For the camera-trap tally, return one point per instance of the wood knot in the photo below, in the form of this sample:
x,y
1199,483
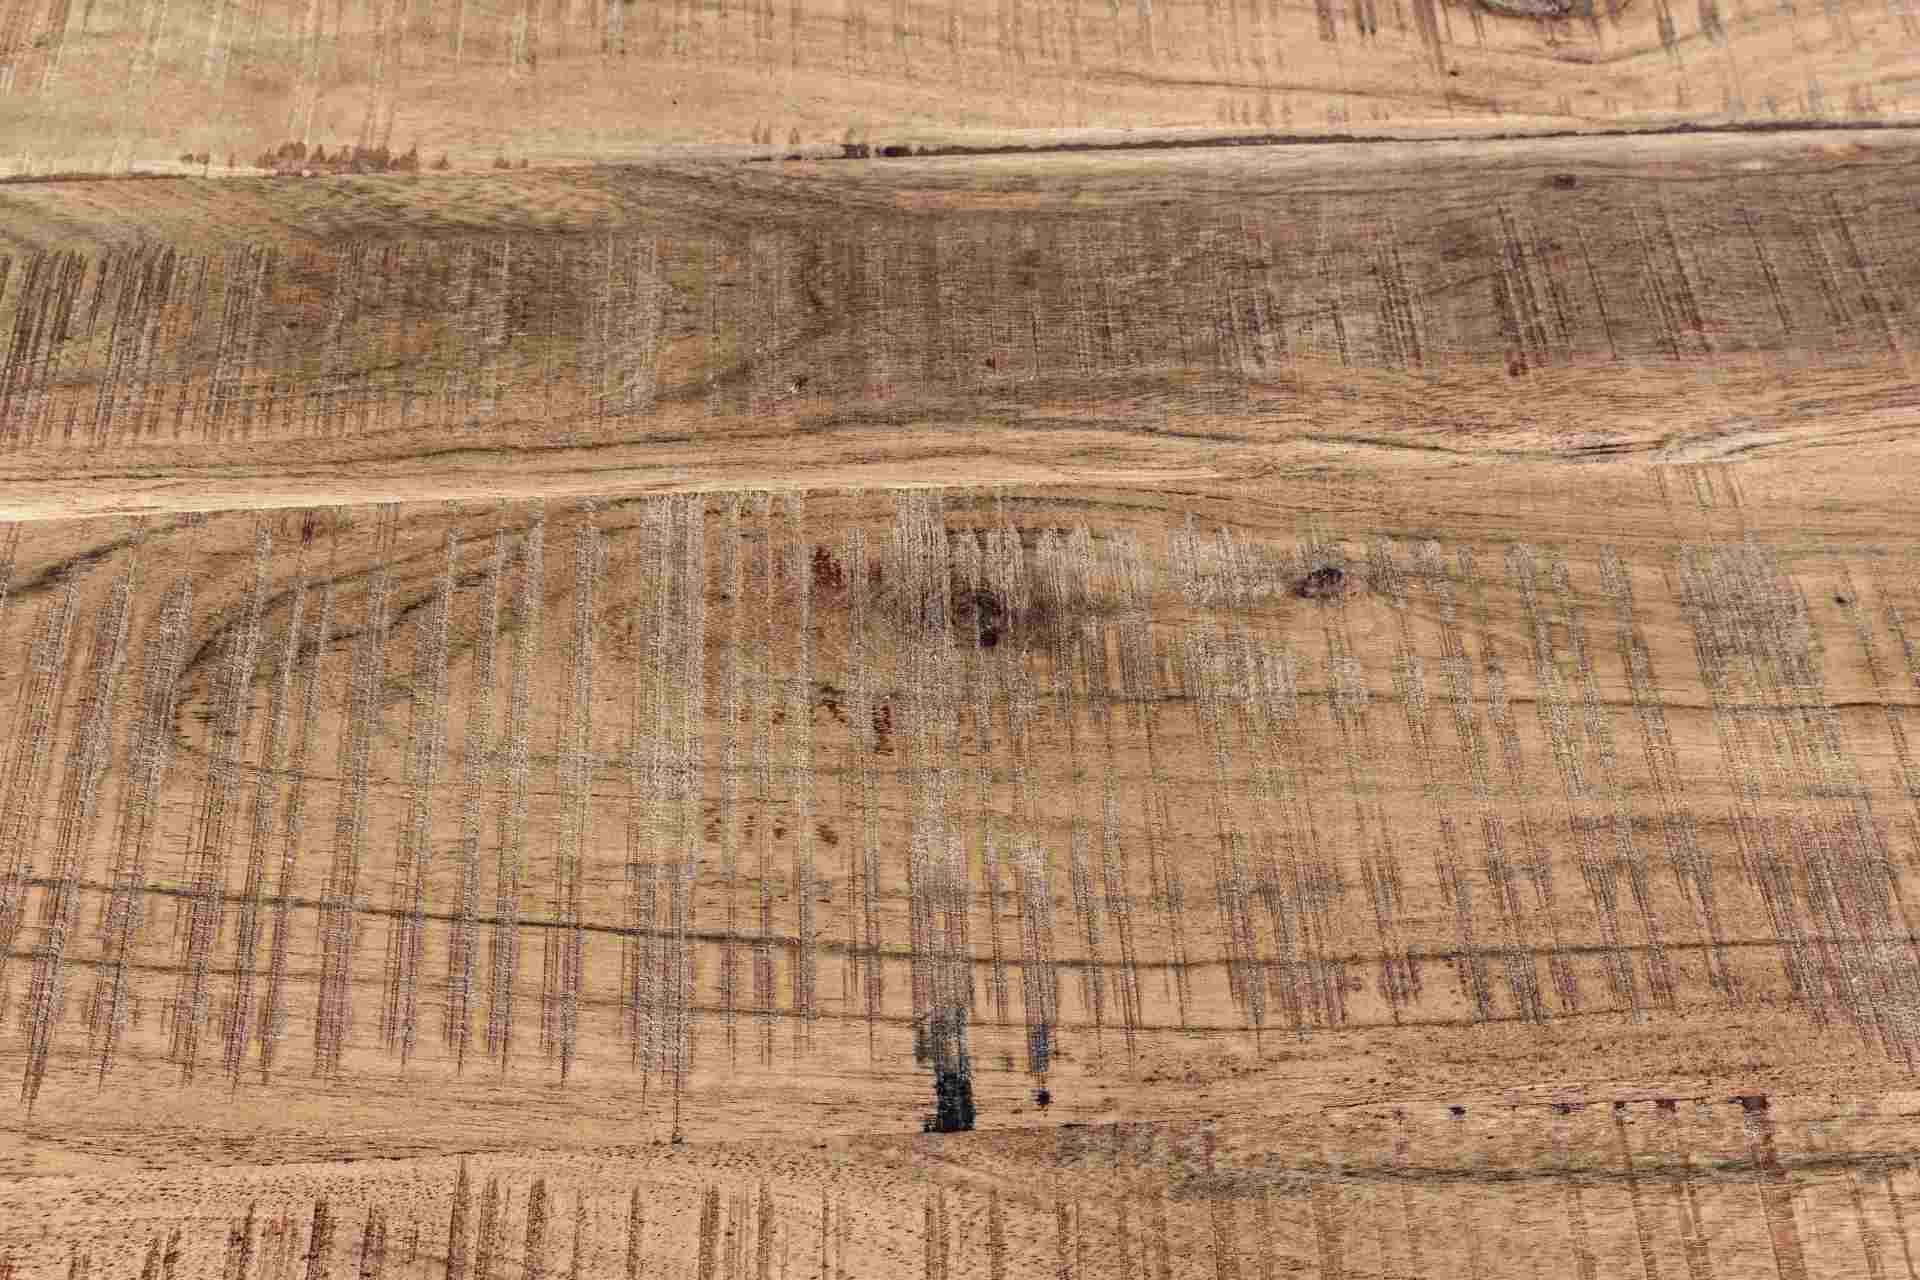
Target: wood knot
x,y
1323,583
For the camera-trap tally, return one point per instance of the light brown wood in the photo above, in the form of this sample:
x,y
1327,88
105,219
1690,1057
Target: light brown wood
x,y
548,713
1383,1008
114,85
1216,314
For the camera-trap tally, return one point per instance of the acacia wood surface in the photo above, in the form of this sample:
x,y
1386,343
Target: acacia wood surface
x,y
1220,314
1585,796
1374,672
117,86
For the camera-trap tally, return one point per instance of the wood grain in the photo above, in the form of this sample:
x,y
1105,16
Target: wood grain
x,y
114,86
1323,667
1679,301
1623,786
